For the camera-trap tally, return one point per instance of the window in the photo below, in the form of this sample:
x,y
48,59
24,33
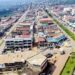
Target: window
x,y
16,41
7,44
7,41
29,40
25,41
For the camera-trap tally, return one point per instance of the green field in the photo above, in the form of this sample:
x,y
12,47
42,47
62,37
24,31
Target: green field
x,y
69,66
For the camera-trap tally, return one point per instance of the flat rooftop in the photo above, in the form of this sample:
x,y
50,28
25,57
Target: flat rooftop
x,y
17,57
10,73
25,23
38,59
19,38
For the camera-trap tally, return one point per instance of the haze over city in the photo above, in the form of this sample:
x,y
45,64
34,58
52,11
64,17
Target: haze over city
x,y
37,37
10,3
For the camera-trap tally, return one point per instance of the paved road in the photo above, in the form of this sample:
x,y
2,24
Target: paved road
x,y
61,62
73,42
66,24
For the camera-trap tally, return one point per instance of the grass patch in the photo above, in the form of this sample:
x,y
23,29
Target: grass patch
x,y
69,66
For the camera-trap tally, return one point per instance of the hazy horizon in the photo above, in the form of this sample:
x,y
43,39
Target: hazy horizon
x,y
9,3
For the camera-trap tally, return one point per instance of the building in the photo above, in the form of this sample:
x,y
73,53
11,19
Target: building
x,y
72,26
41,42
6,24
22,37
38,63
28,61
45,20
49,35
19,42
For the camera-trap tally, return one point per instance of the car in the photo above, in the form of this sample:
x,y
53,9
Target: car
x,y
49,55
63,52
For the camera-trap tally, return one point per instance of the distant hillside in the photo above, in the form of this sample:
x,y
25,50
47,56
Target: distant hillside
x,y
62,1
56,1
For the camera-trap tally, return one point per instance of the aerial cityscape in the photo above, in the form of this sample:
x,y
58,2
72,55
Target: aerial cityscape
x,y
37,37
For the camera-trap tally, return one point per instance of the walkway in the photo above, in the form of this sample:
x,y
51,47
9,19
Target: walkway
x,y
60,63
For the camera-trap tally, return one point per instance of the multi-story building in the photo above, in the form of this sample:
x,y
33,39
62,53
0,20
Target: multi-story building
x,y
19,42
28,62
6,24
49,35
22,37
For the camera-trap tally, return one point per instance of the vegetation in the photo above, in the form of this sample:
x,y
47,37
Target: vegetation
x,y
69,66
71,34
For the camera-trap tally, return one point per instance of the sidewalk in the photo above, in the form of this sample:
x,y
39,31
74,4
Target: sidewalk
x,y
60,64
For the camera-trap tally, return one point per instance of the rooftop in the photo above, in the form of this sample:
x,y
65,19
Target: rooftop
x,y
45,20
31,56
19,38
37,60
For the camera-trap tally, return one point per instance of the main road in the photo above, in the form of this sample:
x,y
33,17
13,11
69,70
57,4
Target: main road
x,y
61,62
53,17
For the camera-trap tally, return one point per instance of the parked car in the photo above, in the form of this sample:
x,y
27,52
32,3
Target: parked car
x,y
63,52
49,55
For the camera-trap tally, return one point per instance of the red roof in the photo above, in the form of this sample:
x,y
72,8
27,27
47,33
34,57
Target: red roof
x,y
45,20
27,28
40,39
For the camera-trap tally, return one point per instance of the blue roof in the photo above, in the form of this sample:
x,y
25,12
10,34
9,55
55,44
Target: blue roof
x,y
61,37
50,39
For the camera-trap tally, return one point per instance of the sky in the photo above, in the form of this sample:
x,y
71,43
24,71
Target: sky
x,y
2,2
11,2
8,3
